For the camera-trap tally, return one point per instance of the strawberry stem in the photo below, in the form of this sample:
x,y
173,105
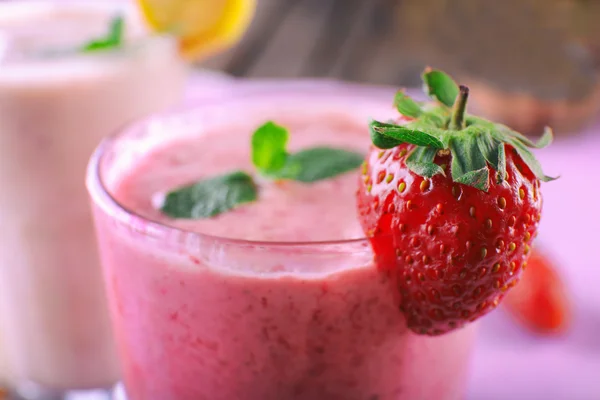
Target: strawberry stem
x,y
460,106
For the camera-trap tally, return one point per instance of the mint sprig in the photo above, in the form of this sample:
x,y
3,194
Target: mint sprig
x,y
269,148
473,142
319,163
114,38
272,161
211,196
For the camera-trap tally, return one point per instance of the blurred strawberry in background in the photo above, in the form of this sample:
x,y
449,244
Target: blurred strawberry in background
x,y
540,302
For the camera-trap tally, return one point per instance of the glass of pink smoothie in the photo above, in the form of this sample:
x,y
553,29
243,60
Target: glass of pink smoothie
x,y
278,299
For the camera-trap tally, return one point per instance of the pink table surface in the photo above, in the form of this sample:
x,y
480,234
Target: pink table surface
x,y
510,363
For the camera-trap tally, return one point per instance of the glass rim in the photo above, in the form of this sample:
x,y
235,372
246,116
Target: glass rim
x,y
259,89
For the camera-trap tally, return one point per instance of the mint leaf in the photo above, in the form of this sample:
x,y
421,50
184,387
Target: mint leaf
x,y
407,106
269,144
113,39
271,159
440,86
319,163
403,134
210,197
216,195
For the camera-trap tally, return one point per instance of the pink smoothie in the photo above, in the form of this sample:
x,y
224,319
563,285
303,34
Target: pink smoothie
x,y
200,317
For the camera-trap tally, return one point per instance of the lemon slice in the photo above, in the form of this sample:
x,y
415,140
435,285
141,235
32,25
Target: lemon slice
x,y
204,27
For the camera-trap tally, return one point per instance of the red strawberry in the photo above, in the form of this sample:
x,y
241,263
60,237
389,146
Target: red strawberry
x,y
450,204
540,301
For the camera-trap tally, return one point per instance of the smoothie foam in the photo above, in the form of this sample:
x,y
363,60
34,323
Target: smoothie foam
x,y
199,317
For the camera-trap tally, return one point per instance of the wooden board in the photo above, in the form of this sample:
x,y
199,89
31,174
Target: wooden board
x,y
529,45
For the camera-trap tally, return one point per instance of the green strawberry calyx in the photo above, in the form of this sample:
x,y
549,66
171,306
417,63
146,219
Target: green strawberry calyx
x,y
443,125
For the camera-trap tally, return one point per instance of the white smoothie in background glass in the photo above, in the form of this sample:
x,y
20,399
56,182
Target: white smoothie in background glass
x,y
56,104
